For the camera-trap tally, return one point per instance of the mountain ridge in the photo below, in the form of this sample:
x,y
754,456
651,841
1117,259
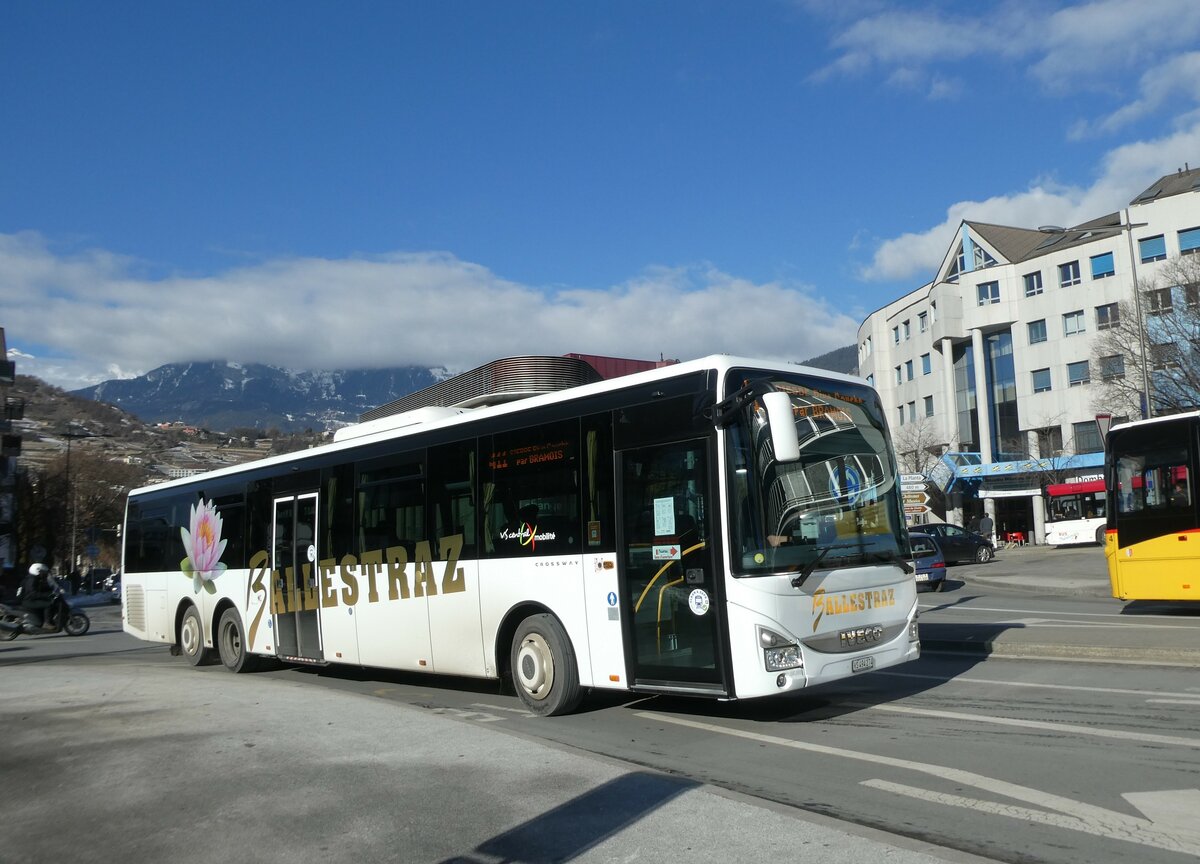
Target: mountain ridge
x,y
224,395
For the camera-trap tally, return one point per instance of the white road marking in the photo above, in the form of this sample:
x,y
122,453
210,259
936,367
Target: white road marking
x,y
1110,822
520,711
1153,834
1192,702
1126,620
968,680
1174,809
1119,734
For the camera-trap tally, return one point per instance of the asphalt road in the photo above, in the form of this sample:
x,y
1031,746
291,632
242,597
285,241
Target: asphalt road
x,y
116,751
1008,741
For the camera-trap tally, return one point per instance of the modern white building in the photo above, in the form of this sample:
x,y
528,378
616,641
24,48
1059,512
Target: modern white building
x,y
987,372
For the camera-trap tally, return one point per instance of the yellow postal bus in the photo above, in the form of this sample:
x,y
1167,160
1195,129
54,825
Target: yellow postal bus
x,y
1152,540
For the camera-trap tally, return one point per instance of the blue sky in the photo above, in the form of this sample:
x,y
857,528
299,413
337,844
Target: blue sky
x,y
336,185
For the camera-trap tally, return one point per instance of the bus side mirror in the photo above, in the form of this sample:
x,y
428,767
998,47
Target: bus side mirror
x,y
784,440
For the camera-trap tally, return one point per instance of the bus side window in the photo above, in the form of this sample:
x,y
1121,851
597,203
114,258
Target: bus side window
x,y
452,494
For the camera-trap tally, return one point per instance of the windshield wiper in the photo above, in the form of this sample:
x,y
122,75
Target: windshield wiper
x,y
808,568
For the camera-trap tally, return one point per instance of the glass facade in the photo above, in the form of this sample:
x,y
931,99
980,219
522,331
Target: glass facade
x,y
964,397
1007,440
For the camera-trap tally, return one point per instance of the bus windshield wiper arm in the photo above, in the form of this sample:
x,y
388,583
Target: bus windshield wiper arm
x,y
799,578
895,559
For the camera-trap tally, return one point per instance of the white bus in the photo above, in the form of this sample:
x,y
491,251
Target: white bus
x,y
721,527
1075,512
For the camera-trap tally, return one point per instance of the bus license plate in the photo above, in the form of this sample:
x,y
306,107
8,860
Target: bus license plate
x,y
862,664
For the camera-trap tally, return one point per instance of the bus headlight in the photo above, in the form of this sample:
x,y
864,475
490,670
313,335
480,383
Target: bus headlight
x,y
778,652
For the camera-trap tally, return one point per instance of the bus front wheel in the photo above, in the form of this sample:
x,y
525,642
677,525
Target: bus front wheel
x,y
543,665
1100,535
191,638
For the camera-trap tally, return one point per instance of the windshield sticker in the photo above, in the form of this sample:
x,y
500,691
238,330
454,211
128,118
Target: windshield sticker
x,y
669,552
698,601
664,516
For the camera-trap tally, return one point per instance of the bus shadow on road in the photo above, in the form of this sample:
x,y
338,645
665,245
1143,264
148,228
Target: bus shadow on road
x,y
1177,608
569,830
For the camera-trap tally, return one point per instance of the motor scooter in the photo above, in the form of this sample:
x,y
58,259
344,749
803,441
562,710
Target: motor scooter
x,y
14,620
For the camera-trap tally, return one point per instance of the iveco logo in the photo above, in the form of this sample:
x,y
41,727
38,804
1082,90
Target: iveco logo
x,y
860,636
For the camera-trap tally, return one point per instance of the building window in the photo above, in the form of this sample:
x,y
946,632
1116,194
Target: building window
x,y
1191,295
933,311
923,321
899,376
1073,323
1037,331
896,334
1102,266
907,332
900,413
868,346
1152,249
1112,367
912,412
1108,316
1159,300
1163,357
1189,241
1087,437
1033,283
1078,374
908,369
1068,274
1041,380
928,406
989,292
926,364
1050,442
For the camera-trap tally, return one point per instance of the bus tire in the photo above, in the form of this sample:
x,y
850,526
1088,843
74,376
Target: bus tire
x,y
1100,535
191,638
544,671
231,643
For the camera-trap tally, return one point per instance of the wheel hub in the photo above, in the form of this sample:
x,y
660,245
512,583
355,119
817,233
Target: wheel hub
x,y
535,666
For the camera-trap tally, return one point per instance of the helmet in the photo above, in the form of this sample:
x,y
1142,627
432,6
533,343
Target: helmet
x,y
38,570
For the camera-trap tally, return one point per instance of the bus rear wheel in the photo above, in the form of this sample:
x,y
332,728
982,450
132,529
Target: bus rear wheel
x,y
543,666
191,638
231,643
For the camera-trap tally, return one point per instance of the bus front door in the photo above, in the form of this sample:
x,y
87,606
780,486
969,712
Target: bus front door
x,y
297,628
673,615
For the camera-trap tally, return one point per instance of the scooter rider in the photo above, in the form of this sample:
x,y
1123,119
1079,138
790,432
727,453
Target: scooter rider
x,y
37,594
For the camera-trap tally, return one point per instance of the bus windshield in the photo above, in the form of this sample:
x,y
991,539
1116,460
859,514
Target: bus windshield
x,y
837,505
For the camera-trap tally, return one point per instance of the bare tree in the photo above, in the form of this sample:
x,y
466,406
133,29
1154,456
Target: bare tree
x,y
1161,347
919,446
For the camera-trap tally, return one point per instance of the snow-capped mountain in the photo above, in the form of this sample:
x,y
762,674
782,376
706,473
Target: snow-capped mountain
x,y
223,396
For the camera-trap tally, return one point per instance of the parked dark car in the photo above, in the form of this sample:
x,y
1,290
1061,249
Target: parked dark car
x,y
958,544
928,561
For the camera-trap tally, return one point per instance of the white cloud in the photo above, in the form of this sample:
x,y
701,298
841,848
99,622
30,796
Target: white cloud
x,y
1095,46
80,318
1125,171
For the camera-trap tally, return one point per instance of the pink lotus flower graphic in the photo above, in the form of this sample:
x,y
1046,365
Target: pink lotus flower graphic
x,y
204,546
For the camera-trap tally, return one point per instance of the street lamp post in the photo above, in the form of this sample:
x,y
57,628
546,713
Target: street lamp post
x,y
1125,227
70,436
